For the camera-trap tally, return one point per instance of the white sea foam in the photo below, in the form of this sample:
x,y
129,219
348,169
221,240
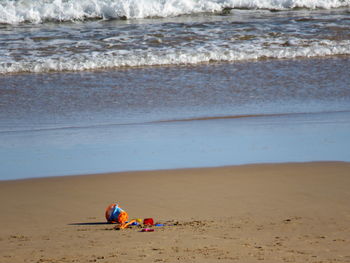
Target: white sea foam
x,y
38,11
113,59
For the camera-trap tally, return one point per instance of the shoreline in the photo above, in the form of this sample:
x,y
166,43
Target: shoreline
x,y
172,170
291,212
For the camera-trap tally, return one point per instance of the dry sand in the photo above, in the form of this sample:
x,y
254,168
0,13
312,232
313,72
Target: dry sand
x,y
253,213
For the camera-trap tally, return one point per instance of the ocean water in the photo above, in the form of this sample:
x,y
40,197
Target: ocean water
x,y
107,85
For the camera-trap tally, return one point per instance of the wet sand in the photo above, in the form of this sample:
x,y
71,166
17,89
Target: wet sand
x,y
254,213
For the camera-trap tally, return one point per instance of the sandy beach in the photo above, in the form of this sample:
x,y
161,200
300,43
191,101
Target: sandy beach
x,y
226,121
254,213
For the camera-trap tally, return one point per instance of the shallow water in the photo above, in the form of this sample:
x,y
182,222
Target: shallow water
x,y
116,85
58,100
202,143
175,117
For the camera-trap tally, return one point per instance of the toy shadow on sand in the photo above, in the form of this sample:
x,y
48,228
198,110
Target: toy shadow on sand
x,y
89,223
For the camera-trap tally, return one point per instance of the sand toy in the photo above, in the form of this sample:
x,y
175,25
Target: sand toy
x,y
115,214
148,222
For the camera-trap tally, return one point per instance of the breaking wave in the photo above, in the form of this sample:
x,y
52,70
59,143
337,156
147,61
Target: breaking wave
x,y
39,11
95,61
